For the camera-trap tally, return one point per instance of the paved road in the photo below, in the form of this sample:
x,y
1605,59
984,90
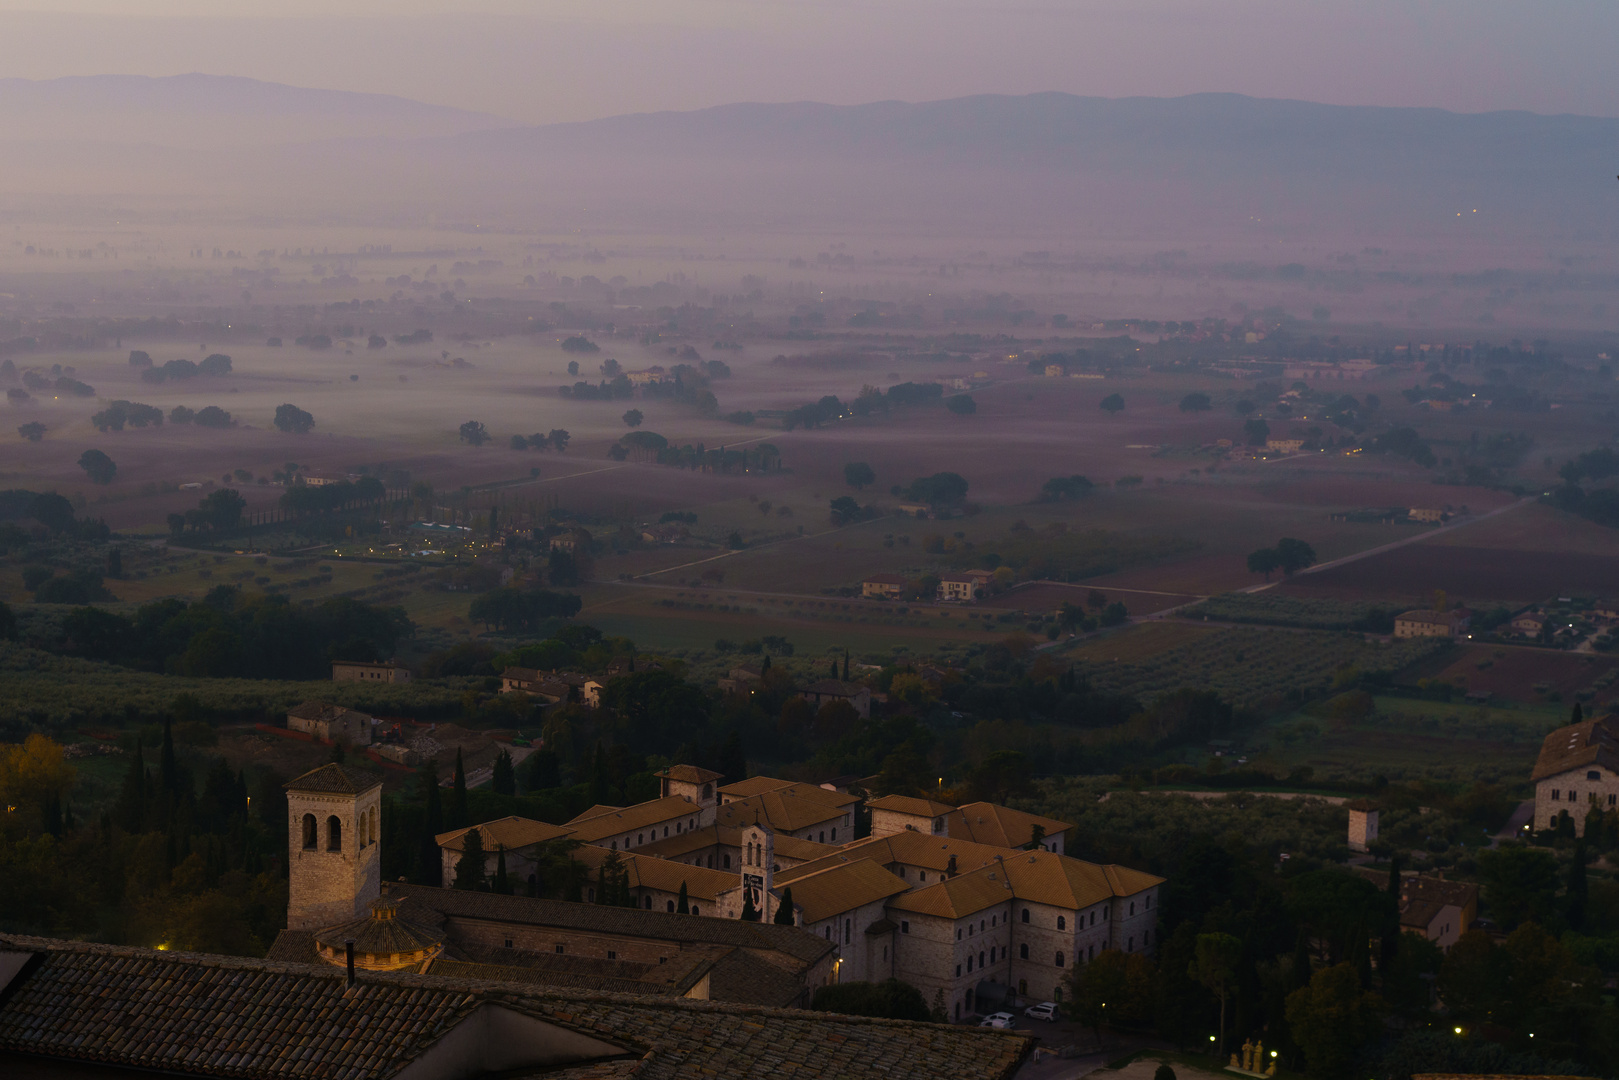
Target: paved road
x,y
1426,534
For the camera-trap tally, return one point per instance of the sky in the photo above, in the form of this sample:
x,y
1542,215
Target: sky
x,y
541,61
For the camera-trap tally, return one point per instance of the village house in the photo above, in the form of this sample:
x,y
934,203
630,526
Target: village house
x,y
1427,515
331,723
1577,773
1284,446
1529,623
883,587
1439,910
363,671
959,588
800,811
552,687
740,680
1605,610
825,690
1452,623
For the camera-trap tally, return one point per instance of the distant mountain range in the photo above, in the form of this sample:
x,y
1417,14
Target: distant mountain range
x,y
196,110
987,161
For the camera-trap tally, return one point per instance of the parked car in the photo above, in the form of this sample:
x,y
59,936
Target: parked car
x,y
1046,1010
998,1020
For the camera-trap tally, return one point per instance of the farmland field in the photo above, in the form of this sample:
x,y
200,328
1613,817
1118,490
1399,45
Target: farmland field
x,y
1468,574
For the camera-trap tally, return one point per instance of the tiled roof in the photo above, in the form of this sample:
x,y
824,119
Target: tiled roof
x,y
1430,617
753,785
1000,826
787,847
787,809
595,811
1038,876
904,804
334,779
259,1020
745,977
665,875
793,943
640,816
831,890
1422,898
512,833
382,933
957,897
1578,746
690,774
677,974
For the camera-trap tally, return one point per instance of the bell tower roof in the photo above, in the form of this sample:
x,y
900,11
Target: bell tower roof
x,y
334,779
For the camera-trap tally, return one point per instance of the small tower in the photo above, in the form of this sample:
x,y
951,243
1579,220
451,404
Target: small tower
x,y
758,867
333,858
694,785
1362,825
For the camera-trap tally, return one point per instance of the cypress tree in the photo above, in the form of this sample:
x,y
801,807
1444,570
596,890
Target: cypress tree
x,y
504,781
683,904
430,864
132,797
845,665
1390,943
469,869
1575,897
1576,715
764,667
503,884
457,817
834,674
168,769
784,913
749,912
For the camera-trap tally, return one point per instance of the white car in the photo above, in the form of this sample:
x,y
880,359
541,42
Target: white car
x,y
1046,1010
998,1020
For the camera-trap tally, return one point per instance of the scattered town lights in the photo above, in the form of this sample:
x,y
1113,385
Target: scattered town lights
x,y
1458,1031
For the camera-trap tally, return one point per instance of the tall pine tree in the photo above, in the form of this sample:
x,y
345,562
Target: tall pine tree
x,y
457,817
503,884
504,780
469,869
429,862
784,913
683,903
132,796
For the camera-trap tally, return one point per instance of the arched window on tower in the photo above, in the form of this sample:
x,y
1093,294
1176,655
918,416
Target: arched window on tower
x,y
334,834
309,832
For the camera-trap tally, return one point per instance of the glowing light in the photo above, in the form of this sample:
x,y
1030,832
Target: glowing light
x,y
1458,1031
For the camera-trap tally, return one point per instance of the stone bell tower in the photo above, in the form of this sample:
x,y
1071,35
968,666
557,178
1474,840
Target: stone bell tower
x,y
333,856
758,867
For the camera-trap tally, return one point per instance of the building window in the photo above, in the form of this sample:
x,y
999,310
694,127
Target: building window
x,y
508,943
1132,907
1062,922
980,924
958,933
958,971
559,947
669,906
726,859
309,832
615,845
1092,954
905,926
885,952
969,964
694,910
1059,959
647,902
969,929
848,925
1593,775
834,834
823,836
1149,901
1613,800
611,955
1130,945
980,959
334,834
1025,914
1022,987
1557,796
677,828
640,838
922,874
1022,952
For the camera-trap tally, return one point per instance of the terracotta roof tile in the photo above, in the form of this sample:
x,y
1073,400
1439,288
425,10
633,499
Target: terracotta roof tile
x,y
259,1020
1577,746
512,833
1000,826
640,816
904,804
831,889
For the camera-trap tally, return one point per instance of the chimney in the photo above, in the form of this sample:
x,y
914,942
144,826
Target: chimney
x,y
348,955
950,867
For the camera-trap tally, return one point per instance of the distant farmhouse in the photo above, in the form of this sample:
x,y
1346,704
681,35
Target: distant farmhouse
x,y
331,723
1577,774
1452,623
362,671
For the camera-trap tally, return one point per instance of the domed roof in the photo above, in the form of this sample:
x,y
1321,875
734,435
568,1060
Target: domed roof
x,y
381,938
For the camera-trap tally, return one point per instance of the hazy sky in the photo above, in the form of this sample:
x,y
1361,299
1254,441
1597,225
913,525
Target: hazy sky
x,y
546,60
